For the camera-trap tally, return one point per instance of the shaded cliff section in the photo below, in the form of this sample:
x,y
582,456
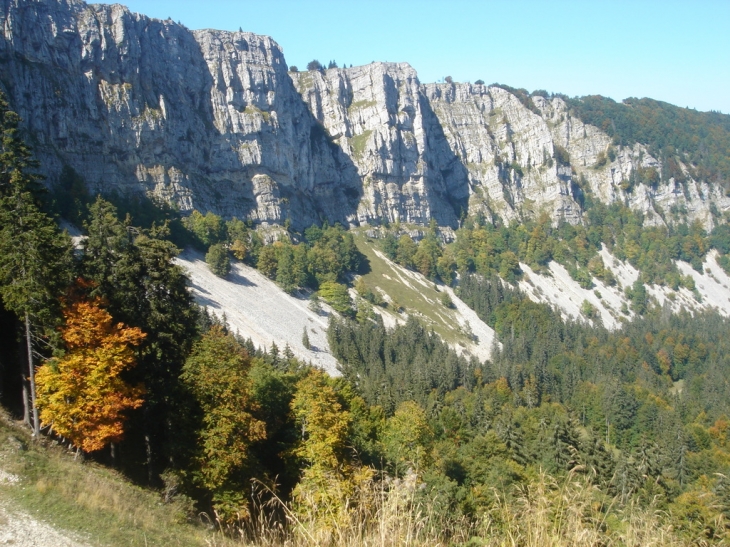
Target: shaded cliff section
x,y
213,120
205,119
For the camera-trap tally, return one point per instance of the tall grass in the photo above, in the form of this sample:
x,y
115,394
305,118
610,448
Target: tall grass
x,y
88,499
384,513
570,512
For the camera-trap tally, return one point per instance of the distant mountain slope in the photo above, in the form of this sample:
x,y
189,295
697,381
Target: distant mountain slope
x,y
611,303
701,139
256,308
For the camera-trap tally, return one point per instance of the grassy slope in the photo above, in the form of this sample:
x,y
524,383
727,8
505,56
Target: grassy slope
x,y
418,296
87,499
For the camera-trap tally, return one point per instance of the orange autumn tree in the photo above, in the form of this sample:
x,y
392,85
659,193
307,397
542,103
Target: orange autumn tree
x,y
81,395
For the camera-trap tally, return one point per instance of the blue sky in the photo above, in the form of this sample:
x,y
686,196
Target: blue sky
x,y
669,50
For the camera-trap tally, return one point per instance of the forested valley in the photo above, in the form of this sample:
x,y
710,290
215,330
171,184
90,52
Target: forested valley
x,y
571,433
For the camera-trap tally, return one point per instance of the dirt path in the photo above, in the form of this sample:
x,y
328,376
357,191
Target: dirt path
x,y
22,530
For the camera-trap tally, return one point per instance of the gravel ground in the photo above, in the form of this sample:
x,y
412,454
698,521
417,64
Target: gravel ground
x,y
560,290
563,292
22,530
258,309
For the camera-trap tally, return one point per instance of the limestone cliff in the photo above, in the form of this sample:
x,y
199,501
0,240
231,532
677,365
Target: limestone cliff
x,y
213,120
379,117
204,119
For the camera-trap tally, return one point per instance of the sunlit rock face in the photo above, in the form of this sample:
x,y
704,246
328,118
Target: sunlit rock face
x,y
378,115
213,120
204,119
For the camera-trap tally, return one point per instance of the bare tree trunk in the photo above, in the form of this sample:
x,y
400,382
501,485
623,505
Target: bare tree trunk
x,y
150,469
31,369
26,400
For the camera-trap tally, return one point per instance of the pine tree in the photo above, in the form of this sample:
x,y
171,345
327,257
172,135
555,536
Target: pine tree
x,y
135,273
218,260
35,257
305,339
288,353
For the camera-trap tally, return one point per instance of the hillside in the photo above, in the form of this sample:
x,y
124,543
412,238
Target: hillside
x,y
50,497
345,307
256,308
560,290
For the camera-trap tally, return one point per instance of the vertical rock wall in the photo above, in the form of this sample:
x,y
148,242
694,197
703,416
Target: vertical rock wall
x,y
213,120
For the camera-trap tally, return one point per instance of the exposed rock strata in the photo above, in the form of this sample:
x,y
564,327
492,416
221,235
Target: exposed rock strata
x,y
212,120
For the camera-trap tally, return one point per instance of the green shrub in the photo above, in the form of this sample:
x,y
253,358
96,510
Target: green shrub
x,y
337,296
314,65
562,156
217,260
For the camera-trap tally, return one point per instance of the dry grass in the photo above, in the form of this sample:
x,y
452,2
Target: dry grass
x,y
378,513
90,500
572,513
546,513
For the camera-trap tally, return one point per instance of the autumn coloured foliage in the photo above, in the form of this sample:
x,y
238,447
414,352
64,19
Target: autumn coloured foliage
x,y
82,395
216,374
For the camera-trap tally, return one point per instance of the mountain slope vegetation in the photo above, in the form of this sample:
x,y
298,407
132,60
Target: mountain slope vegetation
x,y
526,424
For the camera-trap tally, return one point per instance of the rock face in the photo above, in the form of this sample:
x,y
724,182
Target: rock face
x,y
378,115
213,120
205,119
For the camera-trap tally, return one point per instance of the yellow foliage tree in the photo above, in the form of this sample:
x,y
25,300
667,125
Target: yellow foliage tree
x,y
217,375
325,424
408,438
82,395
331,486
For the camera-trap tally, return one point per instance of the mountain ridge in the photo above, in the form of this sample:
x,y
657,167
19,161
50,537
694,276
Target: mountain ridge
x,y
213,120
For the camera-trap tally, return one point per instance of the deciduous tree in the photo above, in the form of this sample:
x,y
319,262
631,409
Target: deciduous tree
x,y
217,375
82,395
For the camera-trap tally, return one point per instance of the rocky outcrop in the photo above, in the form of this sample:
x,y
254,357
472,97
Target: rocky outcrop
x,y
508,151
378,116
613,173
204,119
213,120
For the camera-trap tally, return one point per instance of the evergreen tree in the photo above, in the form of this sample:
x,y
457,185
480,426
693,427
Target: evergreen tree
x,y
217,260
35,257
314,65
134,271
